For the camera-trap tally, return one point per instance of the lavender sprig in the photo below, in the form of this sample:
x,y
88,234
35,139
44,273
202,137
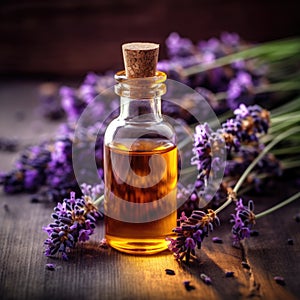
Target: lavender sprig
x,y
74,220
191,233
243,221
211,65
241,180
247,126
239,137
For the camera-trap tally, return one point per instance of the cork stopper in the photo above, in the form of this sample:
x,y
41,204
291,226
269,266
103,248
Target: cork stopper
x,y
140,59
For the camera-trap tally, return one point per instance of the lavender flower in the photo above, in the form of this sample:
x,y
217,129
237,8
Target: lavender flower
x,y
191,233
230,39
32,179
88,90
47,169
243,221
29,174
202,150
178,46
240,90
209,156
59,170
238,79
73,221
208,152
247,126
49,102
71,103
212,45
238,139
74,101
189,196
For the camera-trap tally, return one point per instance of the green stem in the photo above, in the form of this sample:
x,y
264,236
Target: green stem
x,y
285,202
279,87
286,108
220,96
278,127
290,164
99,200
187,170
246,189
274,87
286,150
274,50
276,140
286,117
222,118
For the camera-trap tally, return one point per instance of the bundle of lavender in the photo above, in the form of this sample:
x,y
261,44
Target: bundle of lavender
x,y
254,89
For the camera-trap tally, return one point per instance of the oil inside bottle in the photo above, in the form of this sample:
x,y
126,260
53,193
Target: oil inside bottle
x,y
140,198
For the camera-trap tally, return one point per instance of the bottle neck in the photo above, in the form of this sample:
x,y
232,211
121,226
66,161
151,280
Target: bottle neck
x,y
140,110
140,97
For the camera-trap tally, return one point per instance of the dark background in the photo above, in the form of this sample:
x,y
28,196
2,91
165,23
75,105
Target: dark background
x,y
71,37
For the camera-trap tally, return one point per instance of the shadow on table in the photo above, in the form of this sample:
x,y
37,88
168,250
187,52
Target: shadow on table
x,y
228,288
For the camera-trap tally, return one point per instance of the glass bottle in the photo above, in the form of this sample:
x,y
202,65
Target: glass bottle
x,y
140,167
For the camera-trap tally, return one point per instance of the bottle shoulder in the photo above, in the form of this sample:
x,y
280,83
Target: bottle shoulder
x,y
119,130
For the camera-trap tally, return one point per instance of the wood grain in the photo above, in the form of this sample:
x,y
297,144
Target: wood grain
x,y
68,37
96,273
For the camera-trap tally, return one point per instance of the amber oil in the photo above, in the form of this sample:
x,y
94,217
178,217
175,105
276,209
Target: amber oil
x,y
148,181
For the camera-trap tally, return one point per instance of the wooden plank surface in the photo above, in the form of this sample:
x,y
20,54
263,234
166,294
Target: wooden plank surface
x,y
96,273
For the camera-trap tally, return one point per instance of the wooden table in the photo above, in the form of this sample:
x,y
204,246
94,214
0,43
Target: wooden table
x,y
96,273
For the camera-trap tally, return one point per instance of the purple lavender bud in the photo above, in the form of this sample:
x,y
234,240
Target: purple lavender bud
x,y
183,217
244,233
170,272
217,240
188,286
229,274
194,197
84,235
280,280
50,267
245,265
190,244
242,111
198,235
205,279
212,45
178,46
231,39
65,256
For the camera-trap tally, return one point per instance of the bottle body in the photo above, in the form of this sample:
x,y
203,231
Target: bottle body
x,y
140,163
